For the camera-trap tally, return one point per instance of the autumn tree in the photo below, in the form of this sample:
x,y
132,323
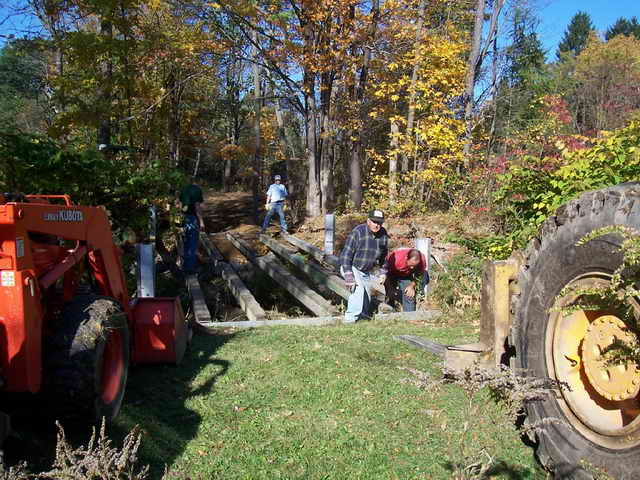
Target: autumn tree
x,y
608,81
416,84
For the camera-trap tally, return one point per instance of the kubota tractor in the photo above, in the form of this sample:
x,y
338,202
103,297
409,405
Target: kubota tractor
x,y
67,324
524,321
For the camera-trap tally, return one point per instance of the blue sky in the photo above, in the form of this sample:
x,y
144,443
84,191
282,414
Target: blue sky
x,y
555,15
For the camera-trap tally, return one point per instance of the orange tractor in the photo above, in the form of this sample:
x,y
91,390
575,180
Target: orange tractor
x,y
67,324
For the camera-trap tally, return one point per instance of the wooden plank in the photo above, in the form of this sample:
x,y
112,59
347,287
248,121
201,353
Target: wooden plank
x,y
334,282
200,309
307,297
243,295
312,250
210,248
423,343
316,273
304,322
320,321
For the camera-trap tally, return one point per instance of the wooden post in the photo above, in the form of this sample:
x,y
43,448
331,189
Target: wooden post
x,y
424,246
329,320
243,295
316,273
307,297
329,233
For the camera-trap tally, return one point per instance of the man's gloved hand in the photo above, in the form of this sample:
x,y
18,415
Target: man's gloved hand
x,y
267,206
350,280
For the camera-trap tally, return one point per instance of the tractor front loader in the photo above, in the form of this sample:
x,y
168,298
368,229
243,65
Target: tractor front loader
x,y
67,325
525,322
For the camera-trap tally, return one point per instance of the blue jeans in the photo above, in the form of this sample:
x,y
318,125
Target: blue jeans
x,y
276,207
360,299
397,286
191,238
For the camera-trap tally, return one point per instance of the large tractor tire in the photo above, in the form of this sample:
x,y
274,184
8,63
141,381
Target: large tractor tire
x,y
598,415
87,360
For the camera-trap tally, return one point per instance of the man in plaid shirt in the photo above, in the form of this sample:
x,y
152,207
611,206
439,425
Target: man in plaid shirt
x,y
366,248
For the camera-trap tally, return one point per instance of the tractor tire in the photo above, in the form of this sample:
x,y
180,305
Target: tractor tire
x,y
87,360
597,425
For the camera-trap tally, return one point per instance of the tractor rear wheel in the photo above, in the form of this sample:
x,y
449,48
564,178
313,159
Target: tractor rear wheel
x,y
87,360
599,412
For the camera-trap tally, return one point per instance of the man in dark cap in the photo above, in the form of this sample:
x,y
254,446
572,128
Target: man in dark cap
x,y
365,248
276,195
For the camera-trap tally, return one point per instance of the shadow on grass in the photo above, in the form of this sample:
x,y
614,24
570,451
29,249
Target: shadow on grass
x,y
156,398
502,470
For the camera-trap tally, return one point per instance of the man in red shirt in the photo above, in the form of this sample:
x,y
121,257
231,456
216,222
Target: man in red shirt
x,y
406,267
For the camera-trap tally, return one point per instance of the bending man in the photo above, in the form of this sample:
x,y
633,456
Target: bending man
x,y
365,249
407,269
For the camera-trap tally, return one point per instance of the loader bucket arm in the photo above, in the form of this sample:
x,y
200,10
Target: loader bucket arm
x,y
21,289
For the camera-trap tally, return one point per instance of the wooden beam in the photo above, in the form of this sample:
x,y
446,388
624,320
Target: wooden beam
x,y
200,308
332,260
312,250
210,248
310,299
245,298
423,343
321,321
243,295
316,273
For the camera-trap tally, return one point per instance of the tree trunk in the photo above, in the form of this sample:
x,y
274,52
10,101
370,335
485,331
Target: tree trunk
x,y
257,170
327,142
412,86
472,68
393,164
355,160
173,121
104,95
314,198
475,62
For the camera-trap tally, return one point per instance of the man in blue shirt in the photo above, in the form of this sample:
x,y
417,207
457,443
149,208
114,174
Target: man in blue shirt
x,y
365,248
276,196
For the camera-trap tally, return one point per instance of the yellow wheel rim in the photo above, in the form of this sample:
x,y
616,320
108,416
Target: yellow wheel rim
x,y
599,400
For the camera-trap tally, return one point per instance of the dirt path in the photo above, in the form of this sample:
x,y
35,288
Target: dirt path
x,y
231,212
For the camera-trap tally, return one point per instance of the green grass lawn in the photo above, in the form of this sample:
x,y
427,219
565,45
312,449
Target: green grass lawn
x,y
316,403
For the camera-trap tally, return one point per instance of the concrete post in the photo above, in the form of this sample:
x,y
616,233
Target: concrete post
x,y
424,245
329,233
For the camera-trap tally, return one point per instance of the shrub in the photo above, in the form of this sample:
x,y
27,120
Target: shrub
x,y
36,165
